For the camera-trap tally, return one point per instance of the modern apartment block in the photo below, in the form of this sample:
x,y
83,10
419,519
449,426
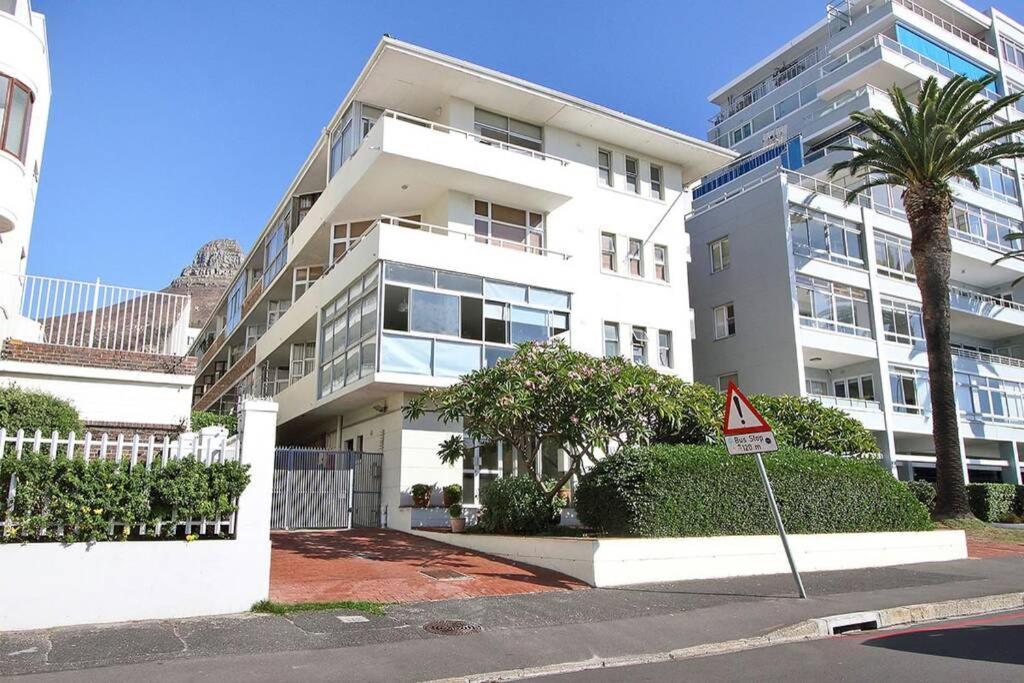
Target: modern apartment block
x,y
797,292
447,213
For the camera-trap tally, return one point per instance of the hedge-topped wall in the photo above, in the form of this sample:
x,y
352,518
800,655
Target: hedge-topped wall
x,y
703,491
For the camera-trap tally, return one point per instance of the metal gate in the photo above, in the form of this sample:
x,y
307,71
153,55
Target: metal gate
x,y
316,488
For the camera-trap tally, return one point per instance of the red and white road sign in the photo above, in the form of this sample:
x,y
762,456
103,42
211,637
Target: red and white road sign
x,y
745,430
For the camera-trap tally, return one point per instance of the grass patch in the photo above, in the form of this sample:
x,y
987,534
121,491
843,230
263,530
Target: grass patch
x,y
271,607
977,530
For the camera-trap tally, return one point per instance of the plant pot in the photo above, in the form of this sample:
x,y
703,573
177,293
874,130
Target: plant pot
x,y
421,502
458,524
450,500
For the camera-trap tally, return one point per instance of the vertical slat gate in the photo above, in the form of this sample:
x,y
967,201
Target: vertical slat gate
x,y
325,489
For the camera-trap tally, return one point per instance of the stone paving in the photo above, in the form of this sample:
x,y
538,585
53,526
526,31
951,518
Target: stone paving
x,y
986,549
384,565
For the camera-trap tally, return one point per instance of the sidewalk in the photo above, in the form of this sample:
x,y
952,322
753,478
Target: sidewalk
x,y
516,631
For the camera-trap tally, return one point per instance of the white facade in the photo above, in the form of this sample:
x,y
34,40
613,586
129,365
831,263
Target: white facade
x,y
447,213
24,107
795,292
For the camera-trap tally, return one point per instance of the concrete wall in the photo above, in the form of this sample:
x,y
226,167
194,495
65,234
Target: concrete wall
x,y
48,584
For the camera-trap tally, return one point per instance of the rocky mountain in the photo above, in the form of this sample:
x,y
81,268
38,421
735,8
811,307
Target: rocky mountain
x,y
206,278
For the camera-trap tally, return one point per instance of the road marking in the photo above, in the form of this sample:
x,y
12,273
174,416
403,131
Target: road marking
x,y
26,651
351,619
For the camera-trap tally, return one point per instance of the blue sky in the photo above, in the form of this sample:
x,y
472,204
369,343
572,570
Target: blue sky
x,y
175,122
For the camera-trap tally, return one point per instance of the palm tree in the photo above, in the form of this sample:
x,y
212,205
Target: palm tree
x,y
944,137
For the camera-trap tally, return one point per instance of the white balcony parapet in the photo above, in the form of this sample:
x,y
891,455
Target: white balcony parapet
x,y
958,294
432,125
1001,358
945,25
847,403
793,178
98,316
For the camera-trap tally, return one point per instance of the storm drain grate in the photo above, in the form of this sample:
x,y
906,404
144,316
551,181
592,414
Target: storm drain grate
x,y
444,574
451,627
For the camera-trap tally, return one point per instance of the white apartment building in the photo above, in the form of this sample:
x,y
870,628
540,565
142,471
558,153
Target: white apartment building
x,y
796,292
447,213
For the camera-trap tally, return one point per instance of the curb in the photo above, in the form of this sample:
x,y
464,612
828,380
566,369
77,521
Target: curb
x,y
809,629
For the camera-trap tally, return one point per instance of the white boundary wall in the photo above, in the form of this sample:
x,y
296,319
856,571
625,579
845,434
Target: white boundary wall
x,y
626,561
43,585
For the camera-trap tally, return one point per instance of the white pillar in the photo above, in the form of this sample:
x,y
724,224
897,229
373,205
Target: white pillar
x,y
257,436
1010,452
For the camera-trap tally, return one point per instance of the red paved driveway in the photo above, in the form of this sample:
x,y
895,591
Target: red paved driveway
x,y
388,566
984,549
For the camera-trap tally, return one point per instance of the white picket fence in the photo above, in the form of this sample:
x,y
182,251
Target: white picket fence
x,y
208,446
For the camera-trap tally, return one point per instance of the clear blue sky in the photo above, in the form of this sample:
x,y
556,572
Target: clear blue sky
x,y
175,122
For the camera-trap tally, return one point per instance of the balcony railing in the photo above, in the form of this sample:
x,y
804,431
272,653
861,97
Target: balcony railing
x,y
835,146
945,25
958,297
782,76
997,358
432,125
97,316
847,403
824,187
834,326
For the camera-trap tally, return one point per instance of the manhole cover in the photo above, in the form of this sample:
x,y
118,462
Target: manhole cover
x,y
443,574
451,627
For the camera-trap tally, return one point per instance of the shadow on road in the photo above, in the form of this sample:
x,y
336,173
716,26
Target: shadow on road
x,y
995,643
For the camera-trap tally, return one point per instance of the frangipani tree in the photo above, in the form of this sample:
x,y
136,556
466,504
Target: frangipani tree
x,y
550,393
949,132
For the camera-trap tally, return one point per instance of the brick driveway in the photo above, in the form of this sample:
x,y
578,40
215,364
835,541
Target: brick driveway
x,y
986,549
387,566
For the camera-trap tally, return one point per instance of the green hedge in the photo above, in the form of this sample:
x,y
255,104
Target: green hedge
x,y
515,505
924,491
203,418
32,410
1018,502
992,502
702,491
86,497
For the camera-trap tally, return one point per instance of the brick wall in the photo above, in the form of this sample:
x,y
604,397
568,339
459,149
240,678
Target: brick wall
x,y
252,297
130,429
34,352
227,380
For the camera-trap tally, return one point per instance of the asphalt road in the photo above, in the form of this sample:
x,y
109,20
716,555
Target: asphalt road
x,y
988,648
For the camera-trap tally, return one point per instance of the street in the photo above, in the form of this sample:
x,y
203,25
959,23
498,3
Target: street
x,y
985,648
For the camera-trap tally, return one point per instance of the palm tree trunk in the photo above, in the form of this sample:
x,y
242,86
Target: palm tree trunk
x,y
930,246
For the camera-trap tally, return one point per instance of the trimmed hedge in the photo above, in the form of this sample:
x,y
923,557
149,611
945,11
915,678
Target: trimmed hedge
x,y
924,491
515,505
85,498
992,502
204,418
701,491
32,410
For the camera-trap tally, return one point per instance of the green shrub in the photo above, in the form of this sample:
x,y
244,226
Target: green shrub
x,y
452,494
924,491
701,421
702,491
86,497
203,418
1018,502
515,505
32,410
991,502
454,510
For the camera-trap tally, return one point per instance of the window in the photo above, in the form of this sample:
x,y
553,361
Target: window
x,y
862,388
725,321
724,380
819,235
904,383
504,129
720,258
611,339
829,306
350,131
893,256
252,335
303,278
636,257
604,167
276,249
275,309
903,322
988,398
301,206
816,387
661,262
657,190
974,224
516,229
234,306
348,331
344,237
665,348
608,255
996,181
303,360
632,175
1013,53
15,112
640,345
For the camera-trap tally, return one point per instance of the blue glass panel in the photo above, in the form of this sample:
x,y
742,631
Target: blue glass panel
x,y
932,50
452,359
529,324
405,354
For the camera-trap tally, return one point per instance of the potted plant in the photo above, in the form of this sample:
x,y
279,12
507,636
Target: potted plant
x,y
452,494
421,494
458,521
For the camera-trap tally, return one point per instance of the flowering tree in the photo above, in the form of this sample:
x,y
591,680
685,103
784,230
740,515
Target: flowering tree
x,y
551,393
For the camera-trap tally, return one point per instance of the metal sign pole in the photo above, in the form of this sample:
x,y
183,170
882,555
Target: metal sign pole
x,y
778,524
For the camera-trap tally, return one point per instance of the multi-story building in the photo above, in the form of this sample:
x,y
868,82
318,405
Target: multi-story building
x,y
797,292
447,213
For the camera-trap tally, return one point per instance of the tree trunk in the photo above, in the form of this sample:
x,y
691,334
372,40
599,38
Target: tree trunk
x,y
928,215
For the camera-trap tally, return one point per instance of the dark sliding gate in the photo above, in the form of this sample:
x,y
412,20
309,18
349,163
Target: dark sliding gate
x,y
315,488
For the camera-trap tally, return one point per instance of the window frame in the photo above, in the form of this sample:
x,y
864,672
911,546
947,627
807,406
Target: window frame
x,y
661,264
724,258
8,101
666,354
639,342
605,175
728,375
728,322
616,340
612,254
657,186
635,175
637,259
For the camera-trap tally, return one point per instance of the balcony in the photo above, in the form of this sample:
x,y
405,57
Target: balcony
x,y
868,412
1011,356
983,316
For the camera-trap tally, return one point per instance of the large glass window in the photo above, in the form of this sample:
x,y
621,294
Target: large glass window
x,y
303,360
434,313
725,321
611,339
981,226
903,322
908,389
276,252
640,345
504,129
720,258
665,348
1012,52
893,256
819,235
15,112
830,306
234,306
508,227
344,236
348,328
988,398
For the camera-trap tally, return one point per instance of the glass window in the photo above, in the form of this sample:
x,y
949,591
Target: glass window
x,y
604,166
496,322
608,258
640,345
665,348
632,175
548,298
611,339
657,190
459,283
434,313
504,129
661,262
405,354
787,106
15,111
725,321
396,308
452,359
492,354
505,291
413,275
635,256
725,380
472,318
528,325
511,228
720,258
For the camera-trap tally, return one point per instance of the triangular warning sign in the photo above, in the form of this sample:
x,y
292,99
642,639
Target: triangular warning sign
x,y
740,416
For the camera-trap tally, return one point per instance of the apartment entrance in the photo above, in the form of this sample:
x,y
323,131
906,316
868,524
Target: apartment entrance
x,y
317,488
